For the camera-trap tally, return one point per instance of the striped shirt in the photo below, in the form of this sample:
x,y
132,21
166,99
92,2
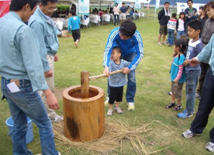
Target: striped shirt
x,y
119,79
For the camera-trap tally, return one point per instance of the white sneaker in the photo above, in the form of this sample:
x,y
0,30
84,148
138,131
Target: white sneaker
x,y
118,110
106,102
57,118
110,111
41,154
131,106
210,147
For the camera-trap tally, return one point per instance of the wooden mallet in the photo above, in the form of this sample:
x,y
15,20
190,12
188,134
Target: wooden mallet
x,y
85,81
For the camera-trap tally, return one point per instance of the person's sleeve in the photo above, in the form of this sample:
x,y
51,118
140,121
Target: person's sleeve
x,y
180,68
139,51
39,31
69,25
29,47
195,16
160,13
177,24
109,46
205,54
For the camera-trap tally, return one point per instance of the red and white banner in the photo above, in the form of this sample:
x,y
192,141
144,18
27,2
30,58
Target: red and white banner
x,y
4,7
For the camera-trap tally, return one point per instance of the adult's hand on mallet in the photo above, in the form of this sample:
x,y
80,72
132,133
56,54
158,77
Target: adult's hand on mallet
x,y
193,62
51,100
126,70
48,74
106,72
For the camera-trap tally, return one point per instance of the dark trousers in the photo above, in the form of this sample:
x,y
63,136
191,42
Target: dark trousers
x,y
204,68
205,107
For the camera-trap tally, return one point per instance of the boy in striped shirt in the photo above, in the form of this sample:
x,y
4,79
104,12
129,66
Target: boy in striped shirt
x,y
116,81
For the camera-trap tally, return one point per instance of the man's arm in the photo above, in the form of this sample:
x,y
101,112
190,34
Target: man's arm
x,y
160,14
39,31
108,49
139,51
205,54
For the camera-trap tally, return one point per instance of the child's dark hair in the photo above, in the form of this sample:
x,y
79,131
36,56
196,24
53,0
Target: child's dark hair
x,y
186,40
127,28
117,49
17,5
182,13
195,24
174,15
73,13
181,43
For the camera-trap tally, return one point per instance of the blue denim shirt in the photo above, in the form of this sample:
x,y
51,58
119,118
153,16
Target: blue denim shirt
x,y
207,54
46,33
19,52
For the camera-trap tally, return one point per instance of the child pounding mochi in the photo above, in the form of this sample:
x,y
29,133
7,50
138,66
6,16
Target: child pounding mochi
x,y
177,74
116,81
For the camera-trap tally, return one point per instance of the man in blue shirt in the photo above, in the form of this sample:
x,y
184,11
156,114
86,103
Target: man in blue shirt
x,y
123,11
130,42
46,32
22,76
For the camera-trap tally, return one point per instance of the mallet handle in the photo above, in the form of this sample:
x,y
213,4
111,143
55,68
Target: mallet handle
x,y
91,78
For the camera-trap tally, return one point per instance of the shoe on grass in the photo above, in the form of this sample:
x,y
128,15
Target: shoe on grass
x,y
110,111
131,106
106,102
210,147
57,118
159,44
188,134
118,110
184,114
169,93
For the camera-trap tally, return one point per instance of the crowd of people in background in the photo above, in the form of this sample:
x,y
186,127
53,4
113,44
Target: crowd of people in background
x,y
193,62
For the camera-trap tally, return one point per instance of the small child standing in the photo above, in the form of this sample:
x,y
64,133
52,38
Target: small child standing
x,y
192,73
171,26
177,74
116,81
180,26
74,25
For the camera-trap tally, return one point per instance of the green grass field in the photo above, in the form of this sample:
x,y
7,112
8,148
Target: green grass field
x,y
153,83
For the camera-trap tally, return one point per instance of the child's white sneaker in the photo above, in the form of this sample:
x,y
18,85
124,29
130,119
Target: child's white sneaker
x,y
110,111
210,147
106,102
118,110
131,106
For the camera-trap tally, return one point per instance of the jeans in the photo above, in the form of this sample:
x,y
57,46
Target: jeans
x,y
131,85
170,37
192,77
205,106
179,33
116,20
28,103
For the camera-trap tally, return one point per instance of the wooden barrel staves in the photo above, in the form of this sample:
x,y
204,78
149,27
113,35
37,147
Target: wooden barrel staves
x,y
84,118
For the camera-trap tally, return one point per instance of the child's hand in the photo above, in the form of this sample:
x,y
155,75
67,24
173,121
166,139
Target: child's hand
x,y
126,70
186,62
106,71
175,81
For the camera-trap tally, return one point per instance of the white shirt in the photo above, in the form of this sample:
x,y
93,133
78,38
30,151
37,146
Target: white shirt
x,y
181,25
